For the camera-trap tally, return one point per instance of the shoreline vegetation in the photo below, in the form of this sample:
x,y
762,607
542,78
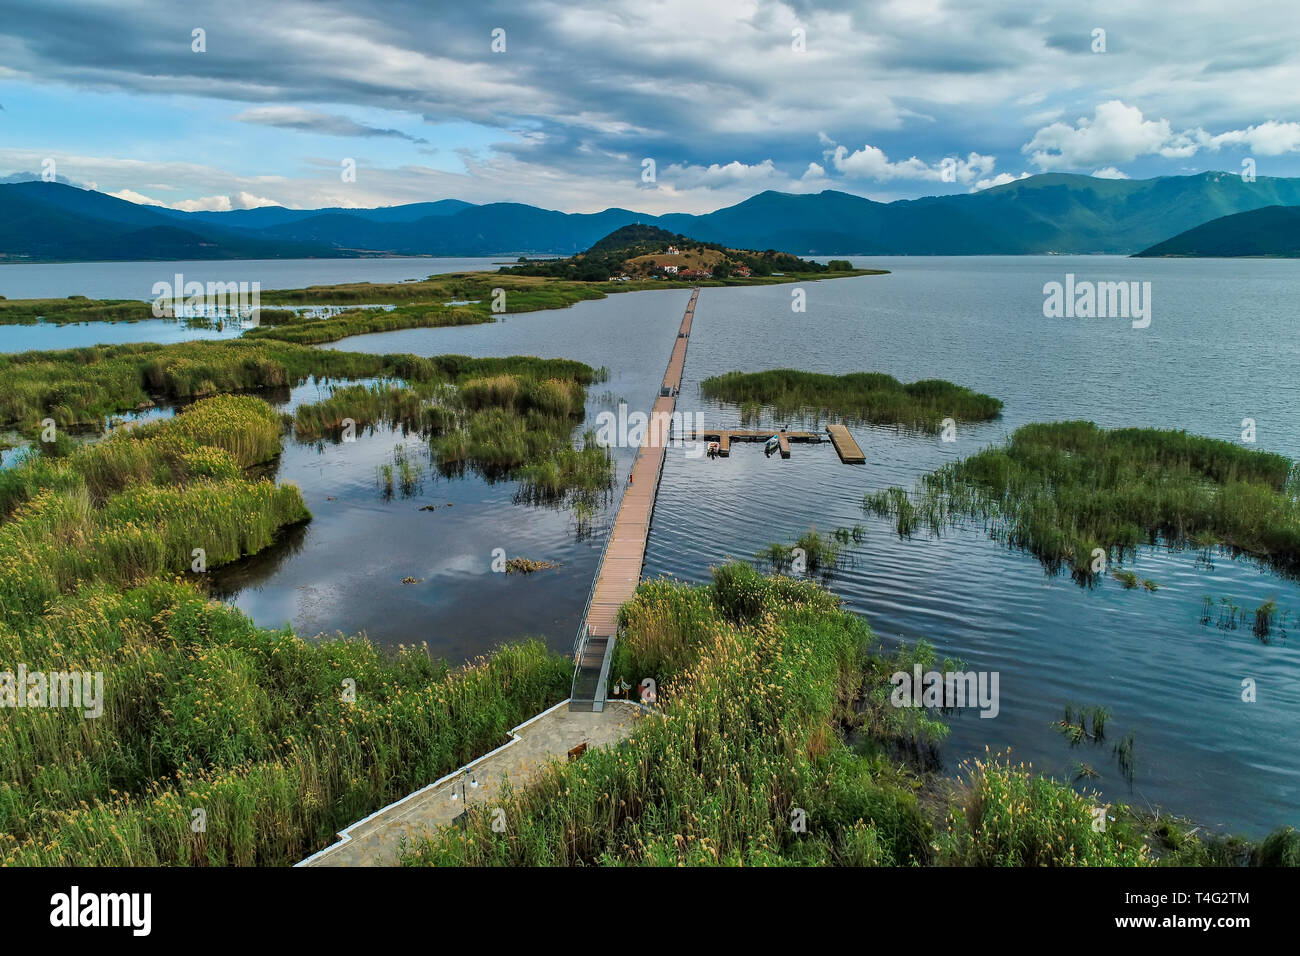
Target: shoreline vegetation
x,y
1078,497
280,741
447,299
777,745
504,417
872,397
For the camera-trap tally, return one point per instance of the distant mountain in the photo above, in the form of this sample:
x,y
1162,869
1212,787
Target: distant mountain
x,y
1051,213
1273,231
53,221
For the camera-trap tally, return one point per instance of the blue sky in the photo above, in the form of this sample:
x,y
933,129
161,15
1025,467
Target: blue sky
x,y
728,98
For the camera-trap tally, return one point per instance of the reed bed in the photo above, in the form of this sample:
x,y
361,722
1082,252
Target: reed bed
x,y
1062,490
1013,817
75,308
203,710
748,763
862,396
364,322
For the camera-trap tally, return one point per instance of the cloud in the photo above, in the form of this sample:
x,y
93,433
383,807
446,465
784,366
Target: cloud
x,y
1266,139
716,176
1001,179
315,121
870,162
240,200
588,87
1110,172
1116,133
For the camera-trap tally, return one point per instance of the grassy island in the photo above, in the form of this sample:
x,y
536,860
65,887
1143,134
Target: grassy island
x,y
1063,490
862,396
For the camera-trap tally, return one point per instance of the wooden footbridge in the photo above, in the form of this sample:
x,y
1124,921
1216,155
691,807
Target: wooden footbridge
x,y
619,571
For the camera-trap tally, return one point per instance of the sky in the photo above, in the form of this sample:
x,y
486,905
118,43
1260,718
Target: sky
x,y
673,106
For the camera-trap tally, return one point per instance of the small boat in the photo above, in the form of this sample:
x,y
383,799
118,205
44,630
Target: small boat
x,y
772,445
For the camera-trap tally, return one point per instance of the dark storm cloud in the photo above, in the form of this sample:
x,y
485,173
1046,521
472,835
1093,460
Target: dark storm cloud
x,y
314,121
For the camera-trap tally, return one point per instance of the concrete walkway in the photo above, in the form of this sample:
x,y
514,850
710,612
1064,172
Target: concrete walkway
x,y
376,840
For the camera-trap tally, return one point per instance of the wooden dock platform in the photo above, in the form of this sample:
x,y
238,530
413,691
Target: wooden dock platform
x,y
725,436
846,445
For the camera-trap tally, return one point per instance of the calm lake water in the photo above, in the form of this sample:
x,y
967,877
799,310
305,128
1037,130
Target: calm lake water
x,y
134,280
1219,349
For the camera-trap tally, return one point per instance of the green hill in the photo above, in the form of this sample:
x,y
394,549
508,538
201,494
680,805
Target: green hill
x,y
641,251
1273,231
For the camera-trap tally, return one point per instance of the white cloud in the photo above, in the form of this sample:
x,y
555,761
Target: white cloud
x,y
130,195
870,162
1266,139
240,200
718,175
1116,133
1001,179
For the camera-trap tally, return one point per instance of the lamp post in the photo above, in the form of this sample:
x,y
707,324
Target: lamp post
x,y
462,796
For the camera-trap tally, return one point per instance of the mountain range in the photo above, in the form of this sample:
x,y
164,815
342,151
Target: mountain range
x,y
1050,213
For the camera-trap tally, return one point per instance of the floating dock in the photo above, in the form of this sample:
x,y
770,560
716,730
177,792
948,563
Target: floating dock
x,y
845,445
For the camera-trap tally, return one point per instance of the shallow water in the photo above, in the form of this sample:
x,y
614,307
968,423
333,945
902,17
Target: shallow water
x,y
134,280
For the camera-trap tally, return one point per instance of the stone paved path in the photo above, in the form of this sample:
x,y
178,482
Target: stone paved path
x,y
550,735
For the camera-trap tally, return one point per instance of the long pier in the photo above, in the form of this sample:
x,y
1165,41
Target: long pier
x,y
619,572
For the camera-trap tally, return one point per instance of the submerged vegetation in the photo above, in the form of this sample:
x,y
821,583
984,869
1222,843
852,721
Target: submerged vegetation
x,y
813,552
1076,496
862,396
1266,621
528,566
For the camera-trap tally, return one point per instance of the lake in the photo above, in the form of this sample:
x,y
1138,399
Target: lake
x,y
134,280
1219,349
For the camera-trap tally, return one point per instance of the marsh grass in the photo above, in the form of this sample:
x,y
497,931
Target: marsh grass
x,y
749,732
822,553
861,396
75,308
762,681
1013,817
1062,490
505,418
203,708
